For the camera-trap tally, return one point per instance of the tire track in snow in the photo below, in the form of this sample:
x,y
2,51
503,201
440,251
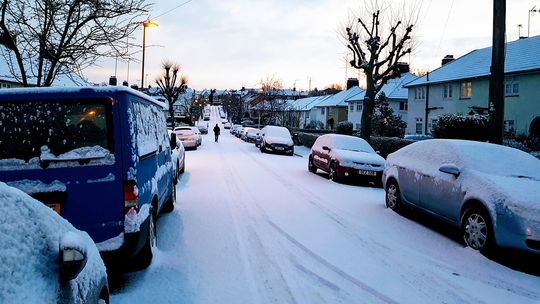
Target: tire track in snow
x,y
342,222
274,286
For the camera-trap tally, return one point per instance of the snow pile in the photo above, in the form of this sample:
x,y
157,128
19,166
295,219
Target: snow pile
x,y
133,219
30,234
75,154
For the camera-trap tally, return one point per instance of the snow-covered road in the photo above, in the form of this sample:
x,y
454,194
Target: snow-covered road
x,y
259,228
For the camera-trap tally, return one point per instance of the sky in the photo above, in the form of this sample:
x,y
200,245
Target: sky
x,y
235,43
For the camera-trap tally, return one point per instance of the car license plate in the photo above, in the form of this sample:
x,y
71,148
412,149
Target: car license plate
x,y
366,172
55,207
280,148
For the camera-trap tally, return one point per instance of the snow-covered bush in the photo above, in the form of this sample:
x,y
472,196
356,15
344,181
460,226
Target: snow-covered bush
x,y
459,126
512,143
344,127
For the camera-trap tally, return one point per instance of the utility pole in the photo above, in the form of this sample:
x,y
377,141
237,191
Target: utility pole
x,y
496,81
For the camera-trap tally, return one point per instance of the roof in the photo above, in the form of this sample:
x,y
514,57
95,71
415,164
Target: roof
x,y
338,99
521,56
306,104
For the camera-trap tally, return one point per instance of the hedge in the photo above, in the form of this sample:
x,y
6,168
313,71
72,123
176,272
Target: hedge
x,y
387,145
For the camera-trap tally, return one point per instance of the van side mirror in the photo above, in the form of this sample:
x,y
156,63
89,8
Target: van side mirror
x,y
73,256
450,169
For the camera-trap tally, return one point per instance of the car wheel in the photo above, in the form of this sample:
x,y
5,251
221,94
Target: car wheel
x,y
476,229
311,165
169,204
144,257
333,172
262,148
393,196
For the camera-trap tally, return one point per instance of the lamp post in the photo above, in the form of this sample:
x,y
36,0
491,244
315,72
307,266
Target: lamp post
x,y
146,24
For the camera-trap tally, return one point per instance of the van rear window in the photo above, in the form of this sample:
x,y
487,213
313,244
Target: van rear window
x,y
29,128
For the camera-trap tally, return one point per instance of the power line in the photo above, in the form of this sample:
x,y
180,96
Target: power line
x,y
172,9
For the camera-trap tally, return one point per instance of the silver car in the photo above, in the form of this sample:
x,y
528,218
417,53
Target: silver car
x,y
489,191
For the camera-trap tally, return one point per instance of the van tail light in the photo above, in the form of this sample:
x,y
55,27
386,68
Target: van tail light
x,y
130,196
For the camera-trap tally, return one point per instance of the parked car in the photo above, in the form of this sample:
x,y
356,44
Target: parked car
x,y
178,155
102,161
244,131
276,139
227,125
247,123
203,127
188,137
198,136
235,129
344,156
252,134
488,191
239,132
44,258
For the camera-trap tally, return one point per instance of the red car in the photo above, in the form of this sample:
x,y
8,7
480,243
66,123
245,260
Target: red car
x,y
344,156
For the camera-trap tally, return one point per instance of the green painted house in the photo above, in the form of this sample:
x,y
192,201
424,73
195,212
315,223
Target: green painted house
x,y
462,86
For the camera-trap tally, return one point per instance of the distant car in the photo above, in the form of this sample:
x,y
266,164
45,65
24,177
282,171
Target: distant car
x,y
206,117
276,139
203,128
344,156
252,134
235,129
178,155
224,121
247,123
227,125
44,258
187,136
244,131
488,191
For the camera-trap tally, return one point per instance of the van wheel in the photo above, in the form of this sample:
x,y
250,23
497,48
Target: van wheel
x,y
144,257
169,204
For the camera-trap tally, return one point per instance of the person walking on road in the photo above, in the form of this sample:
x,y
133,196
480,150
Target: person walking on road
x,y
216,132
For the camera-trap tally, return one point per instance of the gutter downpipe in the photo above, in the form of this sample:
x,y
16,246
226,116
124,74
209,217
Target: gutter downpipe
x,y
427,105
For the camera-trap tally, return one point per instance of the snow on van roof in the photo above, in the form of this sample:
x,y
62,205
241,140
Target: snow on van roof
x,y
103,90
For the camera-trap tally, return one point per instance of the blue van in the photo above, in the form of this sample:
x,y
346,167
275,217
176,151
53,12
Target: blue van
x,y
98,156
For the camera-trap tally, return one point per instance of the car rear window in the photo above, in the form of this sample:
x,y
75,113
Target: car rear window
x,y
30,127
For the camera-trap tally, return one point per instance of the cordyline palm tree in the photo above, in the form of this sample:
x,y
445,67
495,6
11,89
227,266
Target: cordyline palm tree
x,y
172,84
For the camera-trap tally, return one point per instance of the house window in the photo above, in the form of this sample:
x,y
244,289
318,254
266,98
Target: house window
x,y
447,92
419,125
466,90
359,106
509,127
511,86
403,106
419,93
351,107
357,126
322,111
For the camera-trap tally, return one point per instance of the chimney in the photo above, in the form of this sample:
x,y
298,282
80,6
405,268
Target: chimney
x,y
352,82
447,59
403,67
112,80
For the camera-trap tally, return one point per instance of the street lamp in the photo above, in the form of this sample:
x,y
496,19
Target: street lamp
x,y
146,24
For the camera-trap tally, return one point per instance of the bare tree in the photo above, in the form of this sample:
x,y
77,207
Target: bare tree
x,y
378,44
274,101
171,83
47,38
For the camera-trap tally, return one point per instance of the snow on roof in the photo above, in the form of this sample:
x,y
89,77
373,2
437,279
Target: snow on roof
x,y
393,89
338,99
521,55
306,104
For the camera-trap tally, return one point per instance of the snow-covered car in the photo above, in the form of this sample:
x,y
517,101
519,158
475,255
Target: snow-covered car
x,y
227,125
239,132
178,156
344,156
252,134
488,191
276,139
235,128
198,135
187,136
244,132
203,127
44,258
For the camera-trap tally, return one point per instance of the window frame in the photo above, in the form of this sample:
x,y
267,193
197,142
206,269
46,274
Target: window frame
x,y
466,86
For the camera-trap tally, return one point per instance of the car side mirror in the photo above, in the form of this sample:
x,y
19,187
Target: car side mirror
x,y
450,169
326,148
72,256
173,141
